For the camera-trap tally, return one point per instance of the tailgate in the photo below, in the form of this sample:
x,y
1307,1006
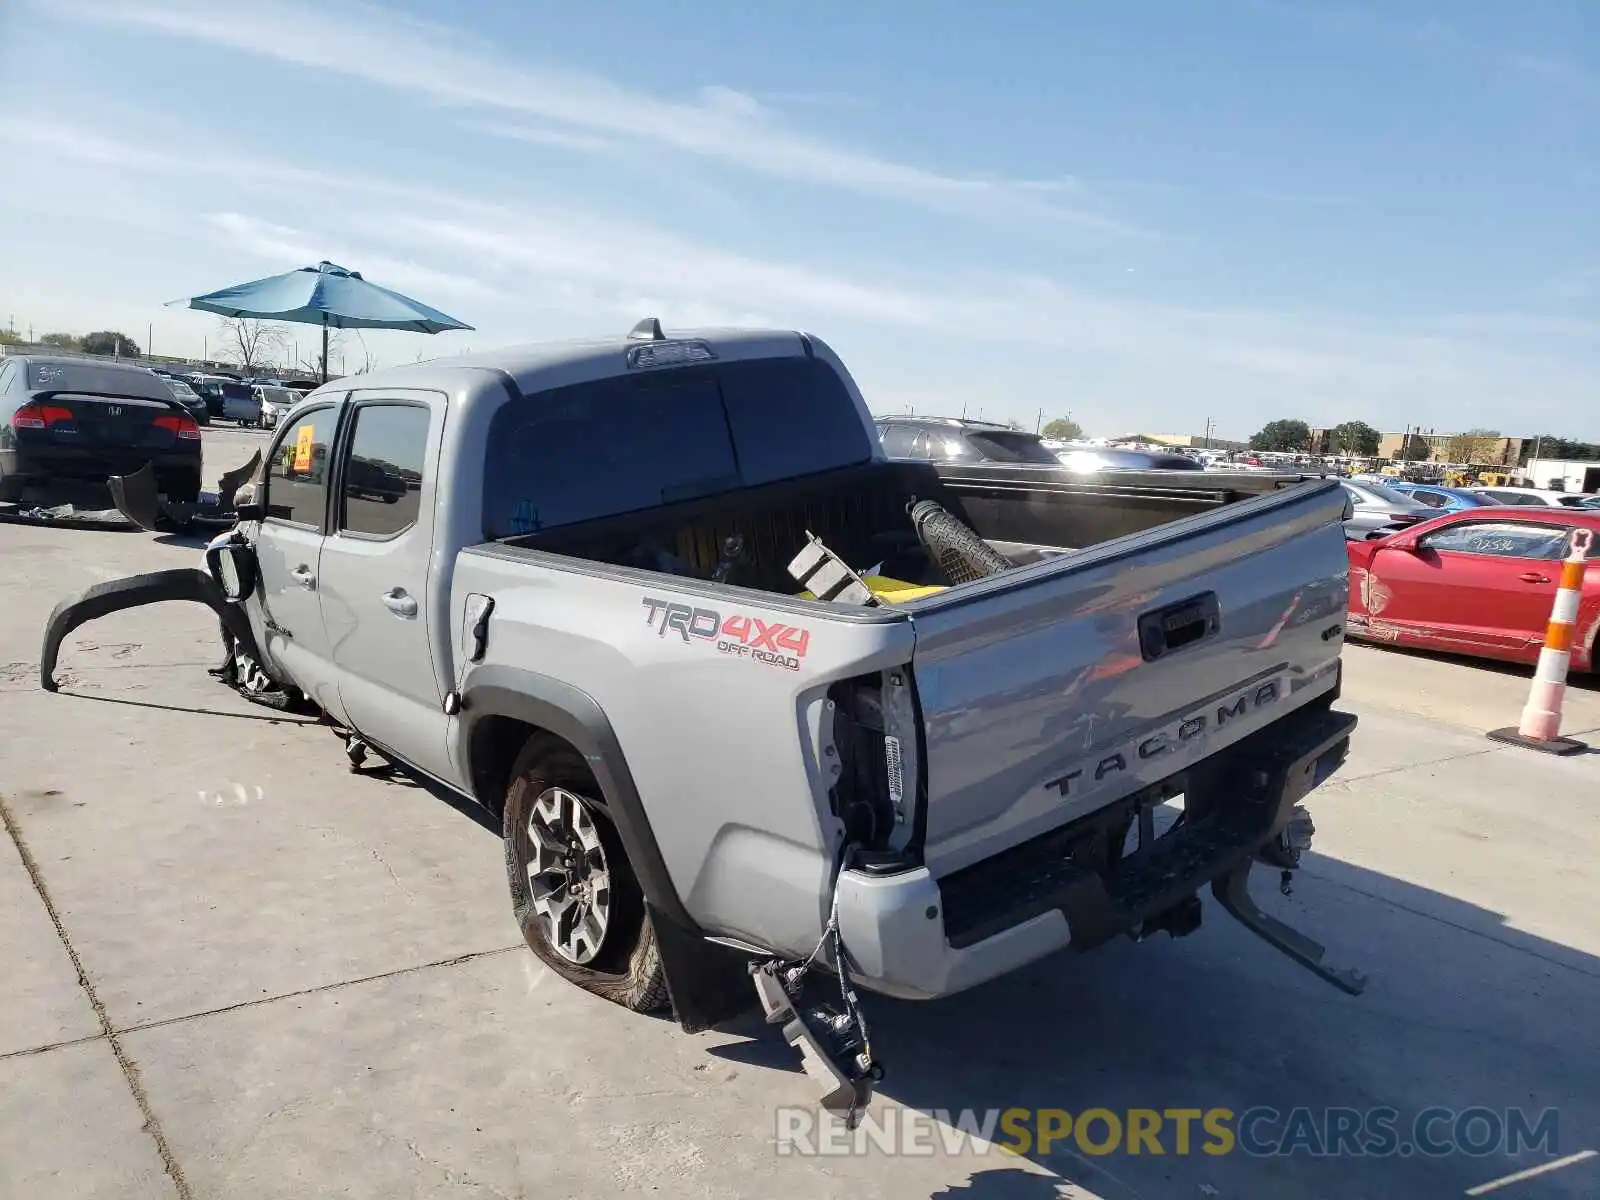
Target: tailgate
x,y
1049,691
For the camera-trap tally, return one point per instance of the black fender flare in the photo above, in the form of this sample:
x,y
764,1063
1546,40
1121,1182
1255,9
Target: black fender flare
x,y
183,583
709,983
570,713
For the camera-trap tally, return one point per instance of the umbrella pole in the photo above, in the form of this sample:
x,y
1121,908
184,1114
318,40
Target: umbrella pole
x,y
324,349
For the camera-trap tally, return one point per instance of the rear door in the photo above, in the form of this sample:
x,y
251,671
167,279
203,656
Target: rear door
x,y
288,626
375,574
1477,586
1047,692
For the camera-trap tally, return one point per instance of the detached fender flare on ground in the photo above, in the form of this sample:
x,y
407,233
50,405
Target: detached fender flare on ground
x,y
184,583
708,982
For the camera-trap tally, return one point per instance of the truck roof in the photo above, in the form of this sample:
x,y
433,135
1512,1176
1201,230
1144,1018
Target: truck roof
x,y
540,365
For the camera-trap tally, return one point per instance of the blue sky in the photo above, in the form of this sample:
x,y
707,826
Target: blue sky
x,y
1145,213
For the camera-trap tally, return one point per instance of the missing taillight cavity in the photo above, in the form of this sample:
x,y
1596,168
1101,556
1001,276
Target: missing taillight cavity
x,y
874,734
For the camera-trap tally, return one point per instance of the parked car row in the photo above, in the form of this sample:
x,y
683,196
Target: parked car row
x,y
957,439
252,403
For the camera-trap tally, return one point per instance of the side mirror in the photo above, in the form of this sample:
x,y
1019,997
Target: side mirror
x,y
233,566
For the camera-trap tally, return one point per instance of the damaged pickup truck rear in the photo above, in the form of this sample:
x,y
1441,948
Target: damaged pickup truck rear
x,y
754,703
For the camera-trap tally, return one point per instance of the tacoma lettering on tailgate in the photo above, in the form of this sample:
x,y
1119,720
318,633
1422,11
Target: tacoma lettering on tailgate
x,y
740,635
1174,737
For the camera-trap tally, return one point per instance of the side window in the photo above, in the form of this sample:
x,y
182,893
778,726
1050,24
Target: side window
x,y
297,475
381,492
1431,499
1500,539
899,440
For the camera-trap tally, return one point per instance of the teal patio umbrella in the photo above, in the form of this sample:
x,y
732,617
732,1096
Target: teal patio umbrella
x,y
327,295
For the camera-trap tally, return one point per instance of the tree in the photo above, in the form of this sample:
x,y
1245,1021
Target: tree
x,y
1062,429
1281,435
65,341
1475,446
312,362
1549,445
368,362
250,343
1356,438
109,341
1413,449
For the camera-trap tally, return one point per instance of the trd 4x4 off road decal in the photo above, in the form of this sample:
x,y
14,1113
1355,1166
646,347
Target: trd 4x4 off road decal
x,y
769,642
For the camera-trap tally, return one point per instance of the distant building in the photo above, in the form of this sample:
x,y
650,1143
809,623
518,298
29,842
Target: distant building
x,y
1488,451
1197,441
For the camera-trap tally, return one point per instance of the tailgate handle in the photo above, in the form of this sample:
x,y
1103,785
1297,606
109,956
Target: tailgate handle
x,y
1186,623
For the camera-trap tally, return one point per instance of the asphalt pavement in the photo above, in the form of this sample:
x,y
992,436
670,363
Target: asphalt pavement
x,y
230,968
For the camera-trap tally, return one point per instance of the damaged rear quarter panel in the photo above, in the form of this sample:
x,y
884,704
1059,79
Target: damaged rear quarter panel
x,y
716,698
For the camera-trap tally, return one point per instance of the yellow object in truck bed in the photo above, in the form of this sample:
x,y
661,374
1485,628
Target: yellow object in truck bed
x,y
890,591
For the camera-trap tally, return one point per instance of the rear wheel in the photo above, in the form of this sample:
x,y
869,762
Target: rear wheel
x,y
573,891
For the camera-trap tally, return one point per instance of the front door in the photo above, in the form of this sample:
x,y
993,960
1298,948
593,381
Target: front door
x,y
377,602
288,626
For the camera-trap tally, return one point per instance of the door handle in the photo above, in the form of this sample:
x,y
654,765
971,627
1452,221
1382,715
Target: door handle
x,y
397,601
1533,577
304,576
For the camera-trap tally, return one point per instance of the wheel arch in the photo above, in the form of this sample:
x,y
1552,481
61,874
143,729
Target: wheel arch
x,y
502,706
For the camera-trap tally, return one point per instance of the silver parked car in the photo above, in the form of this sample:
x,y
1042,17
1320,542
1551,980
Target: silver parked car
x,y
275,401
1379,510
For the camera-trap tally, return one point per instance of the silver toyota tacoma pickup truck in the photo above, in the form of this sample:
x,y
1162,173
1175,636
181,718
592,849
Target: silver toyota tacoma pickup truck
x,y
752,701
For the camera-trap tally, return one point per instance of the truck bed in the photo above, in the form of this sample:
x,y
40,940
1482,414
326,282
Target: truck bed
x,y
860,512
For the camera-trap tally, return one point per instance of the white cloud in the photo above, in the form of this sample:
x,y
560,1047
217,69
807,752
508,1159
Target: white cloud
x,y
722,125
935,331
541,135
290,248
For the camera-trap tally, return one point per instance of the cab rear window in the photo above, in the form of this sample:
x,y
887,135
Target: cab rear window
x,y
638,441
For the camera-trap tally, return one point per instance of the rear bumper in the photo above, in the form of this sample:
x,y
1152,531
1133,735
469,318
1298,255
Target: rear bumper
x,y
175,468
918,937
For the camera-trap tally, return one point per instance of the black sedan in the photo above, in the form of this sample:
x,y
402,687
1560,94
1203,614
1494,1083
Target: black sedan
x,y
72,419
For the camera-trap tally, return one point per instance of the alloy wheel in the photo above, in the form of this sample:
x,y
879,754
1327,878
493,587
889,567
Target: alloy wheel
x,y
569,879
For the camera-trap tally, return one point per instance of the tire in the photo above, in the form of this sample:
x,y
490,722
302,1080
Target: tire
x,y
551,788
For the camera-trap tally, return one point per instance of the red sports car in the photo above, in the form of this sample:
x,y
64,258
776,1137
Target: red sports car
x,y
1481,581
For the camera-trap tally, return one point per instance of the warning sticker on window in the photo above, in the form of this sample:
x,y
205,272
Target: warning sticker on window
x,y
302,447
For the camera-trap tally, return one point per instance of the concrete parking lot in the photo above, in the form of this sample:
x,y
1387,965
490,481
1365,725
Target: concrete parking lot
x,y
229,968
